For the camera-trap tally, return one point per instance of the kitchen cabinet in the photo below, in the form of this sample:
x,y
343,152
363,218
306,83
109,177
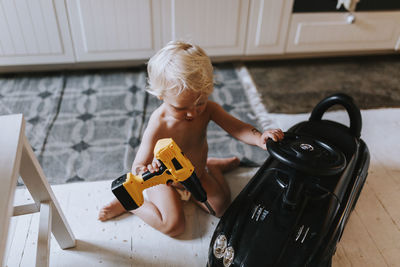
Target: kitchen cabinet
x,y
219,27
59,33
34,32
112,30
109,30
268,23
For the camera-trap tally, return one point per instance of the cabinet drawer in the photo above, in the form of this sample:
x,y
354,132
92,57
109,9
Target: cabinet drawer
x,y
310,32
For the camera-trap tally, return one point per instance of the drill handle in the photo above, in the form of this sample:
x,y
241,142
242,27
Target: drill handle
x,y
148,175
193,185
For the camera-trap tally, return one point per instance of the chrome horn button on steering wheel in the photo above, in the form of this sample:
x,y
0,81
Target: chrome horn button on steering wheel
x,y
307,147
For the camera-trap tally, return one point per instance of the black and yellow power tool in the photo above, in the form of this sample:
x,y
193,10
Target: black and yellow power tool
x,y
175,167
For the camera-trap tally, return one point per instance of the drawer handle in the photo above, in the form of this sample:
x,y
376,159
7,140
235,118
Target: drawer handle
x,y
350,19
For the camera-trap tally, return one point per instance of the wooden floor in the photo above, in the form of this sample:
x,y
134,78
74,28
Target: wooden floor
x,y
371,238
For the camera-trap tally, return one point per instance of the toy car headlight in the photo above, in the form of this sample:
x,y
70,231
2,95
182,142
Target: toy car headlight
x,y
228,257
219,247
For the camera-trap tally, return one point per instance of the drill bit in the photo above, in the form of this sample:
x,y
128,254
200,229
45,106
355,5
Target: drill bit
x,y
210,209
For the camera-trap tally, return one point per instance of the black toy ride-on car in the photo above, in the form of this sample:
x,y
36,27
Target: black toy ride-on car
x,y
294,210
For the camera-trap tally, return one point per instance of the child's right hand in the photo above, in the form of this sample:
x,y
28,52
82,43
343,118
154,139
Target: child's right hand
x,y
153,167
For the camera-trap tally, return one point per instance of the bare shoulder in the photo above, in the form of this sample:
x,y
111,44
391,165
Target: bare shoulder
x,y
156,115
213,107
156,123
216,111
150,136
212,104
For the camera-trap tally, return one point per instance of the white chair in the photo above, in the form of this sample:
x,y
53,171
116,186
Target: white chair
x,y
17,158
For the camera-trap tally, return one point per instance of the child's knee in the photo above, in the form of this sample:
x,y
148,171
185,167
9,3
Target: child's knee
x,y
174,225
221,205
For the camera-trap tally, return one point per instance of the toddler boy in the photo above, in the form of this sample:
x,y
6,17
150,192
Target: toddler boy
x,y
181,75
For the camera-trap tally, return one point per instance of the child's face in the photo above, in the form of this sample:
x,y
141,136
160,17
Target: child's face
x,y
186,106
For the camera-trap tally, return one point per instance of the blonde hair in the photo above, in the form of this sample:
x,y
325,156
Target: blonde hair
x,y
180,66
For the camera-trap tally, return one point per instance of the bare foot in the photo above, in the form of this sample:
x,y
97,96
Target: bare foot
x,y
111,210
223,164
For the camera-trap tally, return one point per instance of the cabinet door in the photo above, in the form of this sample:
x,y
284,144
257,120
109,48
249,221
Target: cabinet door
x,y
34,32
104,30
218,26
268,26
312,32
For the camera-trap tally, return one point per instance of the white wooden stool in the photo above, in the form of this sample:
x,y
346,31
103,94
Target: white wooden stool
x,y
17,158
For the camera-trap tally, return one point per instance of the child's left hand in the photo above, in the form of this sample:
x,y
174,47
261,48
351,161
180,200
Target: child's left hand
x,y
274,134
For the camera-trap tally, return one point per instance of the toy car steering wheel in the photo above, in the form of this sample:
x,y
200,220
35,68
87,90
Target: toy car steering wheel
x,y
307,154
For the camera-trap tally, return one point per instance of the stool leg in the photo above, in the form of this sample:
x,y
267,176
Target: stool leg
x,y
33,176
43,244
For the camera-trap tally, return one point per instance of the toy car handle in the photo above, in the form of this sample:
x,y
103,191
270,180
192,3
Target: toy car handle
x,y
348,103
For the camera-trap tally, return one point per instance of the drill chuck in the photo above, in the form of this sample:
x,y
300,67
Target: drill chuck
x,y
193,185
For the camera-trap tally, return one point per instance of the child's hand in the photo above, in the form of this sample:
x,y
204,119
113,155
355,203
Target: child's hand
x,y
153,167
274,134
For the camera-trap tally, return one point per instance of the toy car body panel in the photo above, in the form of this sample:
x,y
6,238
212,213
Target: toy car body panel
x,y
293,211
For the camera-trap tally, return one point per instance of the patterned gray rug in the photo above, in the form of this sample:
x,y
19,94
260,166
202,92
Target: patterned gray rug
x,y
296,86
86,126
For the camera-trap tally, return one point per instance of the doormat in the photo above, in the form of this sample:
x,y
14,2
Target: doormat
x,y
296,86
87,125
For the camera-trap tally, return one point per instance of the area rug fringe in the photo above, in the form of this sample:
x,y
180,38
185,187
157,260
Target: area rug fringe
x,y
258,108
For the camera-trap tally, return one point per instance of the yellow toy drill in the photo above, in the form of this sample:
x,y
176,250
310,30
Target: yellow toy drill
x,y
175,167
